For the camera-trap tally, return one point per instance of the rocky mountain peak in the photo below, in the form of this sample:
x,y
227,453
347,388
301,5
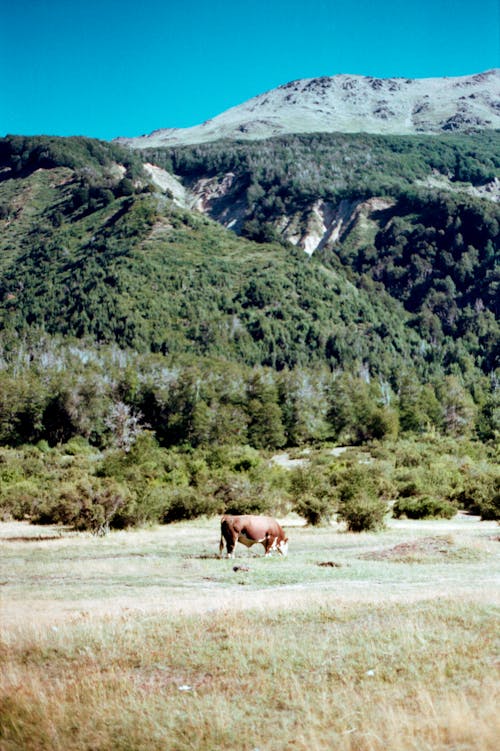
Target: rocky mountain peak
x,y
350,104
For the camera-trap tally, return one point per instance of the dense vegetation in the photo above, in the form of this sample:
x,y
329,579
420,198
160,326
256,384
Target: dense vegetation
x,y
134,270
118,438
434,250
438,255
289,169
133,325
74,485
22,155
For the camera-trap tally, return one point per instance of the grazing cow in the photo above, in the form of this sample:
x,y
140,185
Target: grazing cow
x,y
249,530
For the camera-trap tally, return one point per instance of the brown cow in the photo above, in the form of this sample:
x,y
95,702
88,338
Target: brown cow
x,y
249,530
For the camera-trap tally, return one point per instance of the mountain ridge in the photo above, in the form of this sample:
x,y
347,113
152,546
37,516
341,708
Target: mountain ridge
x,y
349,104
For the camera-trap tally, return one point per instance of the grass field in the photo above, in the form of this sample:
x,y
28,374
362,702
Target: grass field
x,y
146,640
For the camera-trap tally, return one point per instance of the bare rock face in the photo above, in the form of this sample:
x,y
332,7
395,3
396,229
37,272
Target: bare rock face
x,y
316,226
350,104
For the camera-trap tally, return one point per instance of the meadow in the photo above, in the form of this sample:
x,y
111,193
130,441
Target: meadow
x,y
145,639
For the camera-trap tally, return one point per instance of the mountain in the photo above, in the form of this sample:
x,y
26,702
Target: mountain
x,y
418,216
350,104
400,232
317,191
90,248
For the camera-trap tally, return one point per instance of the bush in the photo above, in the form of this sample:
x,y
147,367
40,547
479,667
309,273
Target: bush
x,y
148,506
238,494
480,494
423,507
313,494
363,513
235,458
360,506
89,505
189,503
77,446
437,478
315,510
19,500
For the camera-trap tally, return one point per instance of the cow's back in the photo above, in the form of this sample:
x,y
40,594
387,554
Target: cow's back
x,y
253,526
250,529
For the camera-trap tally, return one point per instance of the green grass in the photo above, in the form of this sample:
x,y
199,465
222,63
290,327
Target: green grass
x,y
145,640
180,559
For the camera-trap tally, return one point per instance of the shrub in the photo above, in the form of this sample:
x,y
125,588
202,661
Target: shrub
x,y
409,489
360,506
315,510
480,494
88,505
19,500
75,446
237,494
437,478
490,509
148,506
189,503
235,458
313,494
363,513
423,507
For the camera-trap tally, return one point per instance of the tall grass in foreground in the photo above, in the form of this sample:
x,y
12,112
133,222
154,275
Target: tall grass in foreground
x,y
364,678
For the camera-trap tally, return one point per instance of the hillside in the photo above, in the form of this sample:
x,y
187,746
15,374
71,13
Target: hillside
x,y
117,301
350,104
83,259
88,248
307,187
418,214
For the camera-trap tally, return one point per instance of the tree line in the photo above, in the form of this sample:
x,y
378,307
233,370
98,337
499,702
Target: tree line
x,y
54,391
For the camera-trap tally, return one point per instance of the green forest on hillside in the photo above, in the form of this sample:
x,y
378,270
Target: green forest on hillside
x,y
296,167
435,251
126,321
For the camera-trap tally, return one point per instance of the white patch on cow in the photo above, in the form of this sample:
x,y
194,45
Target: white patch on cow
x,y
283,547
273,546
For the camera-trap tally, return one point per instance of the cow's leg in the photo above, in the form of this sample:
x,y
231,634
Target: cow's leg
x,y
231,544
231,540
228,535
269,543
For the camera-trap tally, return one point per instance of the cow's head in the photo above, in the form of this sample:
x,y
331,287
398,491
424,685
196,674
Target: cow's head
x,y
283,546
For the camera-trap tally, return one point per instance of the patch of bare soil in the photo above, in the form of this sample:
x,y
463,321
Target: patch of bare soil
x,y
433,549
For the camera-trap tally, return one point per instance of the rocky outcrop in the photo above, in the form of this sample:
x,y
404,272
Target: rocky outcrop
x,y
317,226
168,183
222,198
324,224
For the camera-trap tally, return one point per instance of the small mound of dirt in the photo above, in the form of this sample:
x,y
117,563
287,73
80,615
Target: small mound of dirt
x,y
331,564
426,550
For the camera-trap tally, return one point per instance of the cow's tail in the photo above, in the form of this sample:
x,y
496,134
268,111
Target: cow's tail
x,y
221,545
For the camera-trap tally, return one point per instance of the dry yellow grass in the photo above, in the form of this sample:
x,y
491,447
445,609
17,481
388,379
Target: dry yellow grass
x,y
143,640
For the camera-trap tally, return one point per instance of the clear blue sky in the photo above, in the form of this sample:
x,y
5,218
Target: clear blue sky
x,y
105,68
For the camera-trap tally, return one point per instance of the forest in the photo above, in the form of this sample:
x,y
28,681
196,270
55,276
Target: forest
x,y
152,361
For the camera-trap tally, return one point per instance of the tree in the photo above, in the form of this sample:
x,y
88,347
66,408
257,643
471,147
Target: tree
x,y
459,410
265,428
125,425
